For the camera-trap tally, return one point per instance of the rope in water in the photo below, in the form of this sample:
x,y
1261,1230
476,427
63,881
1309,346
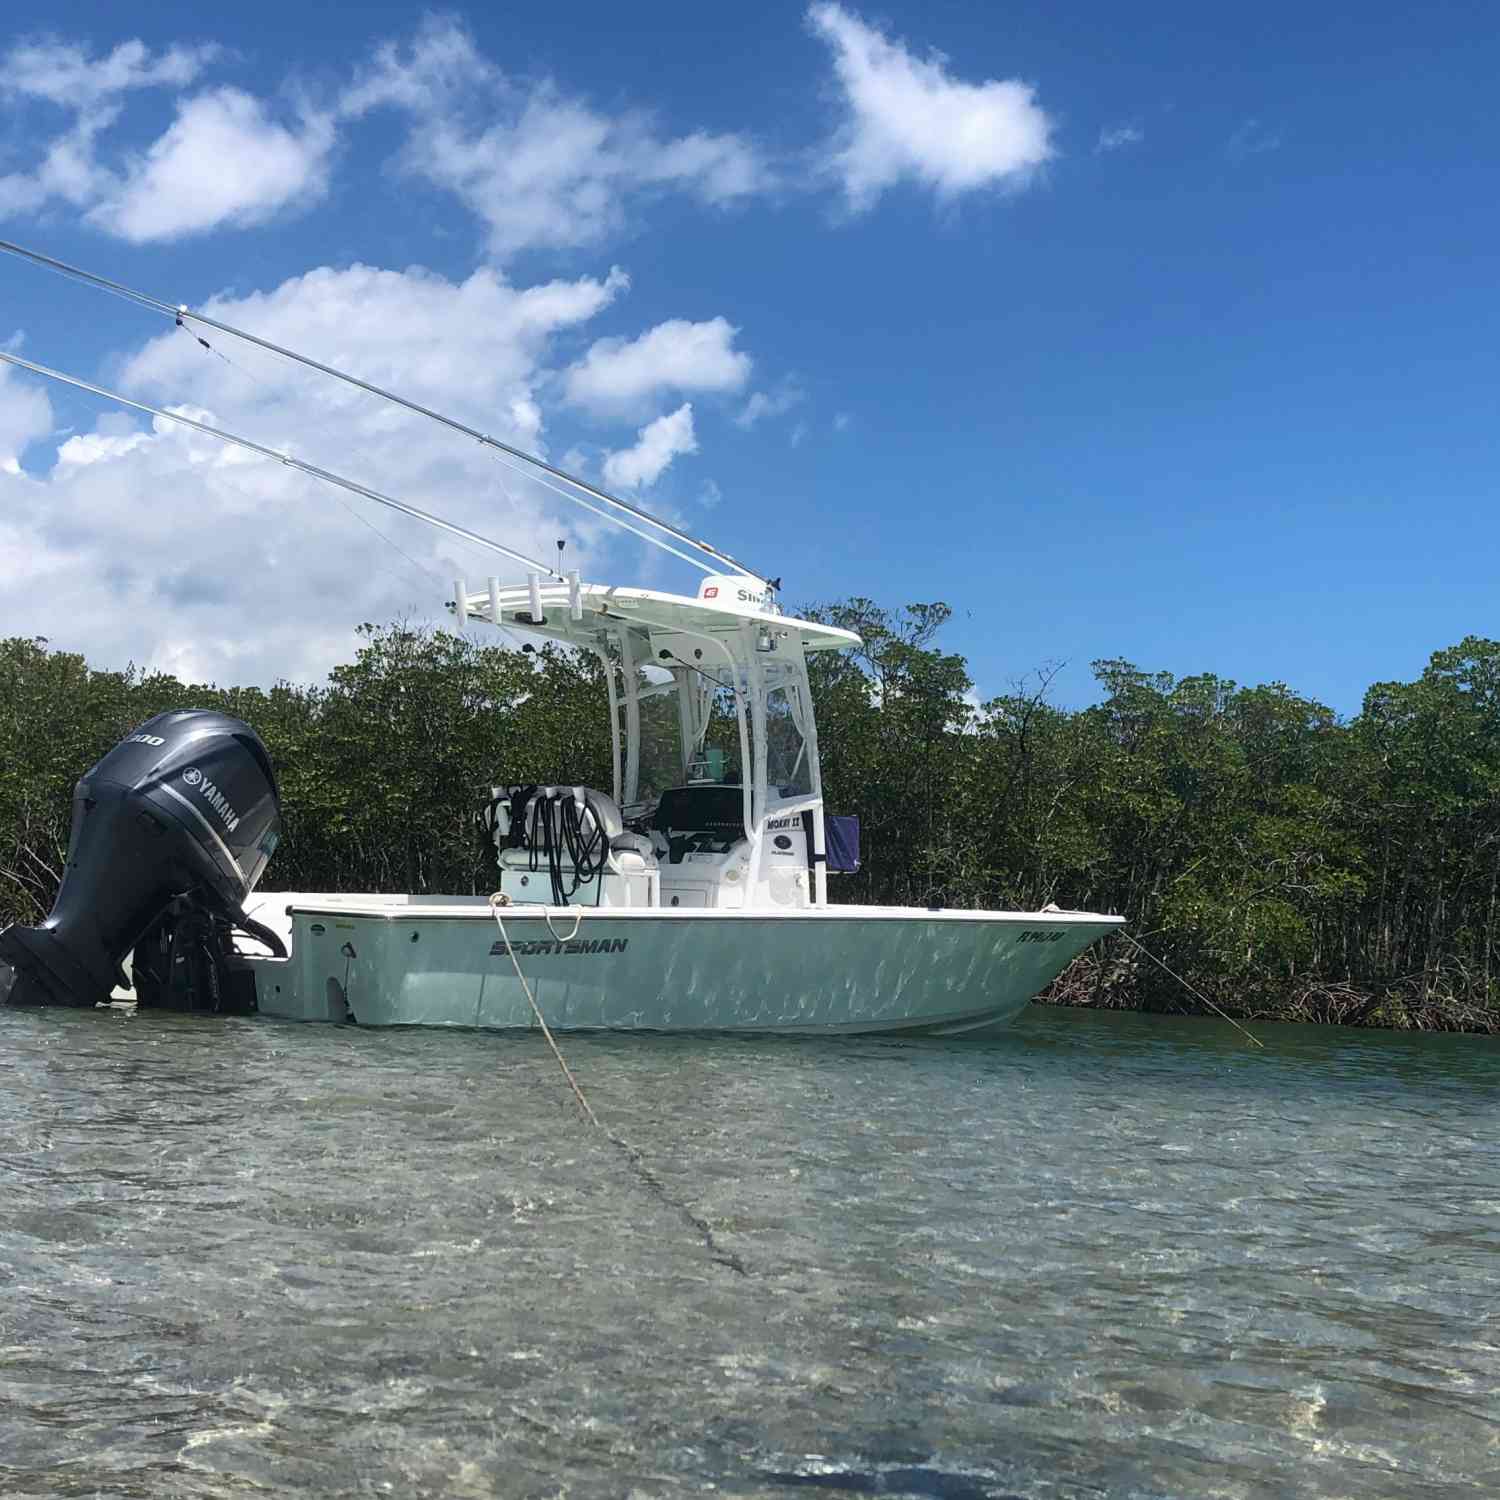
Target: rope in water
x,y
497,900
632,1154
1193,991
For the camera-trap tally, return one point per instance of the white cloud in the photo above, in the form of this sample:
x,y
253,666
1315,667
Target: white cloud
x,y
66,76
541,168
64,73
433,71
477,345
101,445
909,118
618,377
143,541
1117,137
711,495
841,421
657,444
222,161
558,175
25,415
773,403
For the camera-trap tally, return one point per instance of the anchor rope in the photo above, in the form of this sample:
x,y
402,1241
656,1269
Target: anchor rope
x,y
634,1156
497,900
1223,1015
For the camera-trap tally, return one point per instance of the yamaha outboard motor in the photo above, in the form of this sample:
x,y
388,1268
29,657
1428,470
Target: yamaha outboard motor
x,y
171,831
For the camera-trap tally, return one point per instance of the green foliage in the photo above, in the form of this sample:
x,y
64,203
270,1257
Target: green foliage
x,y
1282,860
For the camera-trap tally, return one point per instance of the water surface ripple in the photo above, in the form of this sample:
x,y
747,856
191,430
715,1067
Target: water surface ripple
x,y
1098,1255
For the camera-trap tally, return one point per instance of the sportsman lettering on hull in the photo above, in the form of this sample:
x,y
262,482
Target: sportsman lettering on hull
x,y
527,949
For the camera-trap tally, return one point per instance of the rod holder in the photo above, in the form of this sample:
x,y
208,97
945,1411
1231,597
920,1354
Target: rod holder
x,y
460,602
575,594
495,618
534,583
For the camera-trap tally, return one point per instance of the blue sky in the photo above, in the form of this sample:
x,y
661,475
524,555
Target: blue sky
x,y
1170,337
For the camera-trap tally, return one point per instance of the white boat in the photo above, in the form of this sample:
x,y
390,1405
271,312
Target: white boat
x,y
701,898
692,895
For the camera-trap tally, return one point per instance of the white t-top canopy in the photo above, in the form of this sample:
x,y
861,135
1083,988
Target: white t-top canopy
x,y
729,639
726,605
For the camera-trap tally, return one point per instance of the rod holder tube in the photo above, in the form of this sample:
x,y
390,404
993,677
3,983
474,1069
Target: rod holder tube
x,y
495,616
534,583
575,593
460,603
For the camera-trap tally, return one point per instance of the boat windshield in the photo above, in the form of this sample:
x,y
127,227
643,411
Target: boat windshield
x,y
690,732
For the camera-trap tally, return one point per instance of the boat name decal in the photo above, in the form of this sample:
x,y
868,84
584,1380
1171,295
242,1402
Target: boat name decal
x,y
1030,936
213,796
528,948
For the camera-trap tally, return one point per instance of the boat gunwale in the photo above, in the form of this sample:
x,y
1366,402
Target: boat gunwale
x,y
531,912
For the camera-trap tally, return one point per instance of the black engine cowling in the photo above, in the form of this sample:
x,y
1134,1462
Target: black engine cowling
x,y
171,831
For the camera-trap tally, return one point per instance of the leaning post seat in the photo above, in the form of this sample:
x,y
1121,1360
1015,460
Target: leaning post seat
x,y
574,834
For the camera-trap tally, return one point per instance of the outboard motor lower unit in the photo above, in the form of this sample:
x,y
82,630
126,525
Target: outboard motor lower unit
x,y
171,831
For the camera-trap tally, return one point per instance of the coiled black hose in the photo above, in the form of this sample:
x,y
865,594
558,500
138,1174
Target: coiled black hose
x,y
557,828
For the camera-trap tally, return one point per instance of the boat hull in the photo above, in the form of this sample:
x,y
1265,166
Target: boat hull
x,y
834,969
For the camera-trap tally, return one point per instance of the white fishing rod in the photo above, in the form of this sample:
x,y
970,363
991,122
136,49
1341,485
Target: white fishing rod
x,y
326,475
183,315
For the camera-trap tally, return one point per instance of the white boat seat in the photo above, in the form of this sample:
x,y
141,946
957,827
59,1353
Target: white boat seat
x,y
600,804
632,853
601,813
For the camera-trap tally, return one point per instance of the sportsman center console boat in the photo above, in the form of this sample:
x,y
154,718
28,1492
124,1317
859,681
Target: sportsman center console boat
x,y
691,896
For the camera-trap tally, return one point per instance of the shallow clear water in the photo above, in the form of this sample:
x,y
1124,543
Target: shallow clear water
x,y
1100,1255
